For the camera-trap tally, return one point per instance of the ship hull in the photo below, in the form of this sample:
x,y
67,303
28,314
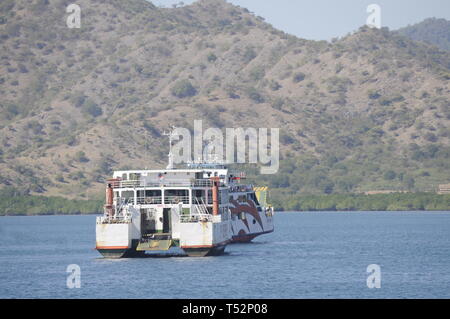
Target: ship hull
x,y
121,252
115,253
243,238
206,239
115,241
205,251
152,211
249,222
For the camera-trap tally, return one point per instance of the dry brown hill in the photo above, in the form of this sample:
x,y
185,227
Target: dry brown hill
x,y
369,111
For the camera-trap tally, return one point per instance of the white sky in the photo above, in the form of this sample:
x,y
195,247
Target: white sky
x,y
325,19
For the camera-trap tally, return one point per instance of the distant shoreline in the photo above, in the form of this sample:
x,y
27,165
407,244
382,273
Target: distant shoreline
x,y
32,205
13,203
286,212
361,202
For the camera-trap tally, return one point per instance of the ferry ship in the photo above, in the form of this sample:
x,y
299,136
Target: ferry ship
x,y
200,209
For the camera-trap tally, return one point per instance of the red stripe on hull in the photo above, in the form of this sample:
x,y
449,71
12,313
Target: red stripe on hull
x,y
244,239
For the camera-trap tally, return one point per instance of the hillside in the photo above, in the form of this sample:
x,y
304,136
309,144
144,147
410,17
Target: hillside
x,y
369,111
432,31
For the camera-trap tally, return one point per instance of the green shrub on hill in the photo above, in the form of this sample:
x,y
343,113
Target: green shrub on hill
x,y
183,89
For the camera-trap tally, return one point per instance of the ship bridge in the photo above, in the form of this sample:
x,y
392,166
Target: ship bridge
x,y
170,187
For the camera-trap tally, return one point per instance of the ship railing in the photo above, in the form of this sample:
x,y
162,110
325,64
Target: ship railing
x,y
122,202
199,213
208,218
163,183
241,188
196,218
125,184
202,183
171,200
202,215
113,220
156,200
200,206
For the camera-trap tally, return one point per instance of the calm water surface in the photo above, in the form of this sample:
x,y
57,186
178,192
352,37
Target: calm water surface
x,y
310,255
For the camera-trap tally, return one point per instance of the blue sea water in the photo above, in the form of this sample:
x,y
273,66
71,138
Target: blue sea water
x,y
310,255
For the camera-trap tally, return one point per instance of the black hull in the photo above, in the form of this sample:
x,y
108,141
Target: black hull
x,y
247,238
122,253
205,252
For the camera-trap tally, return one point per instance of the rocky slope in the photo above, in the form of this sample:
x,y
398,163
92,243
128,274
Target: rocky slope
x,y
369,111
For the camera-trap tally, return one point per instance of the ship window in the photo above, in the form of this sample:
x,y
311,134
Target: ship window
x,y
127,195
176,192
153,193
149,197
124,177
242,198
135,176
210,199
199,194
254,198
175,196
223,196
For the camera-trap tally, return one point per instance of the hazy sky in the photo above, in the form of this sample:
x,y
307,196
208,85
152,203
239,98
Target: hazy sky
x,y
325,19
